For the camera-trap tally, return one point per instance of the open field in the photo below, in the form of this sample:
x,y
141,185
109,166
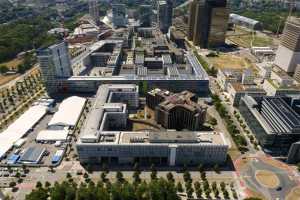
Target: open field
x,y
12,65
224,61
7,78
244,38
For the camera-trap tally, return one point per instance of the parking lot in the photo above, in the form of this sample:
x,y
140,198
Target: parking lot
x,y
30,142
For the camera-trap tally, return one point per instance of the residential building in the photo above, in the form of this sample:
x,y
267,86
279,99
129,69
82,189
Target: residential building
x,y
176,111
55,64
164,15
288,53
208,22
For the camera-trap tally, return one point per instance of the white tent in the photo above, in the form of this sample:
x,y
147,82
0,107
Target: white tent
x,y
20,127
68,112
52,135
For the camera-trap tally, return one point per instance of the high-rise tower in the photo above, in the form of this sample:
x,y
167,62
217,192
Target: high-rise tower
x,y
94,10
145,15
164,15
54,63
208,22
288,53
119,18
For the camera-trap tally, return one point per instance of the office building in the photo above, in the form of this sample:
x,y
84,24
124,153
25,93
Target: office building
x,y
145,15
274,122
104,137
94,10
297,73
208,22
288,53
164,15
55,64
237,90
176,111
119,16
159,148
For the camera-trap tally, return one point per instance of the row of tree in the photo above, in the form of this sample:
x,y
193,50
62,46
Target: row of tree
x,y
158,189
237,137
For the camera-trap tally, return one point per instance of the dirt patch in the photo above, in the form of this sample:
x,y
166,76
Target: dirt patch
x,y
294,194
228,61
267,179
7,78
12,65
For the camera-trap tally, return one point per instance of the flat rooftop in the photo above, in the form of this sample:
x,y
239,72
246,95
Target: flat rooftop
x,y
164,137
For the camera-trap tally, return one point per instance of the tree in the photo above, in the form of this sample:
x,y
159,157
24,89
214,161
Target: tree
x,y
39,185
170,177
213,122
199,193
136,166
47,184
216,168
187,176
119,176
203,175
37,194
190,192
103,177
12,184
105,168
68,175
200,168
179,187
136,177
3,69
222,185
153,175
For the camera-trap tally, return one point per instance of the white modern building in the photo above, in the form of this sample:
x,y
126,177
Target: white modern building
x,y
105,139
55,64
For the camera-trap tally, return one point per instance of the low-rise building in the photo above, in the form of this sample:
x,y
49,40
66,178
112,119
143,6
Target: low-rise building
x,y
237,91
160,148
226,76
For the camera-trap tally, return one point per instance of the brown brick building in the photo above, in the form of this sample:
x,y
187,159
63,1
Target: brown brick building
x,y
176,110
